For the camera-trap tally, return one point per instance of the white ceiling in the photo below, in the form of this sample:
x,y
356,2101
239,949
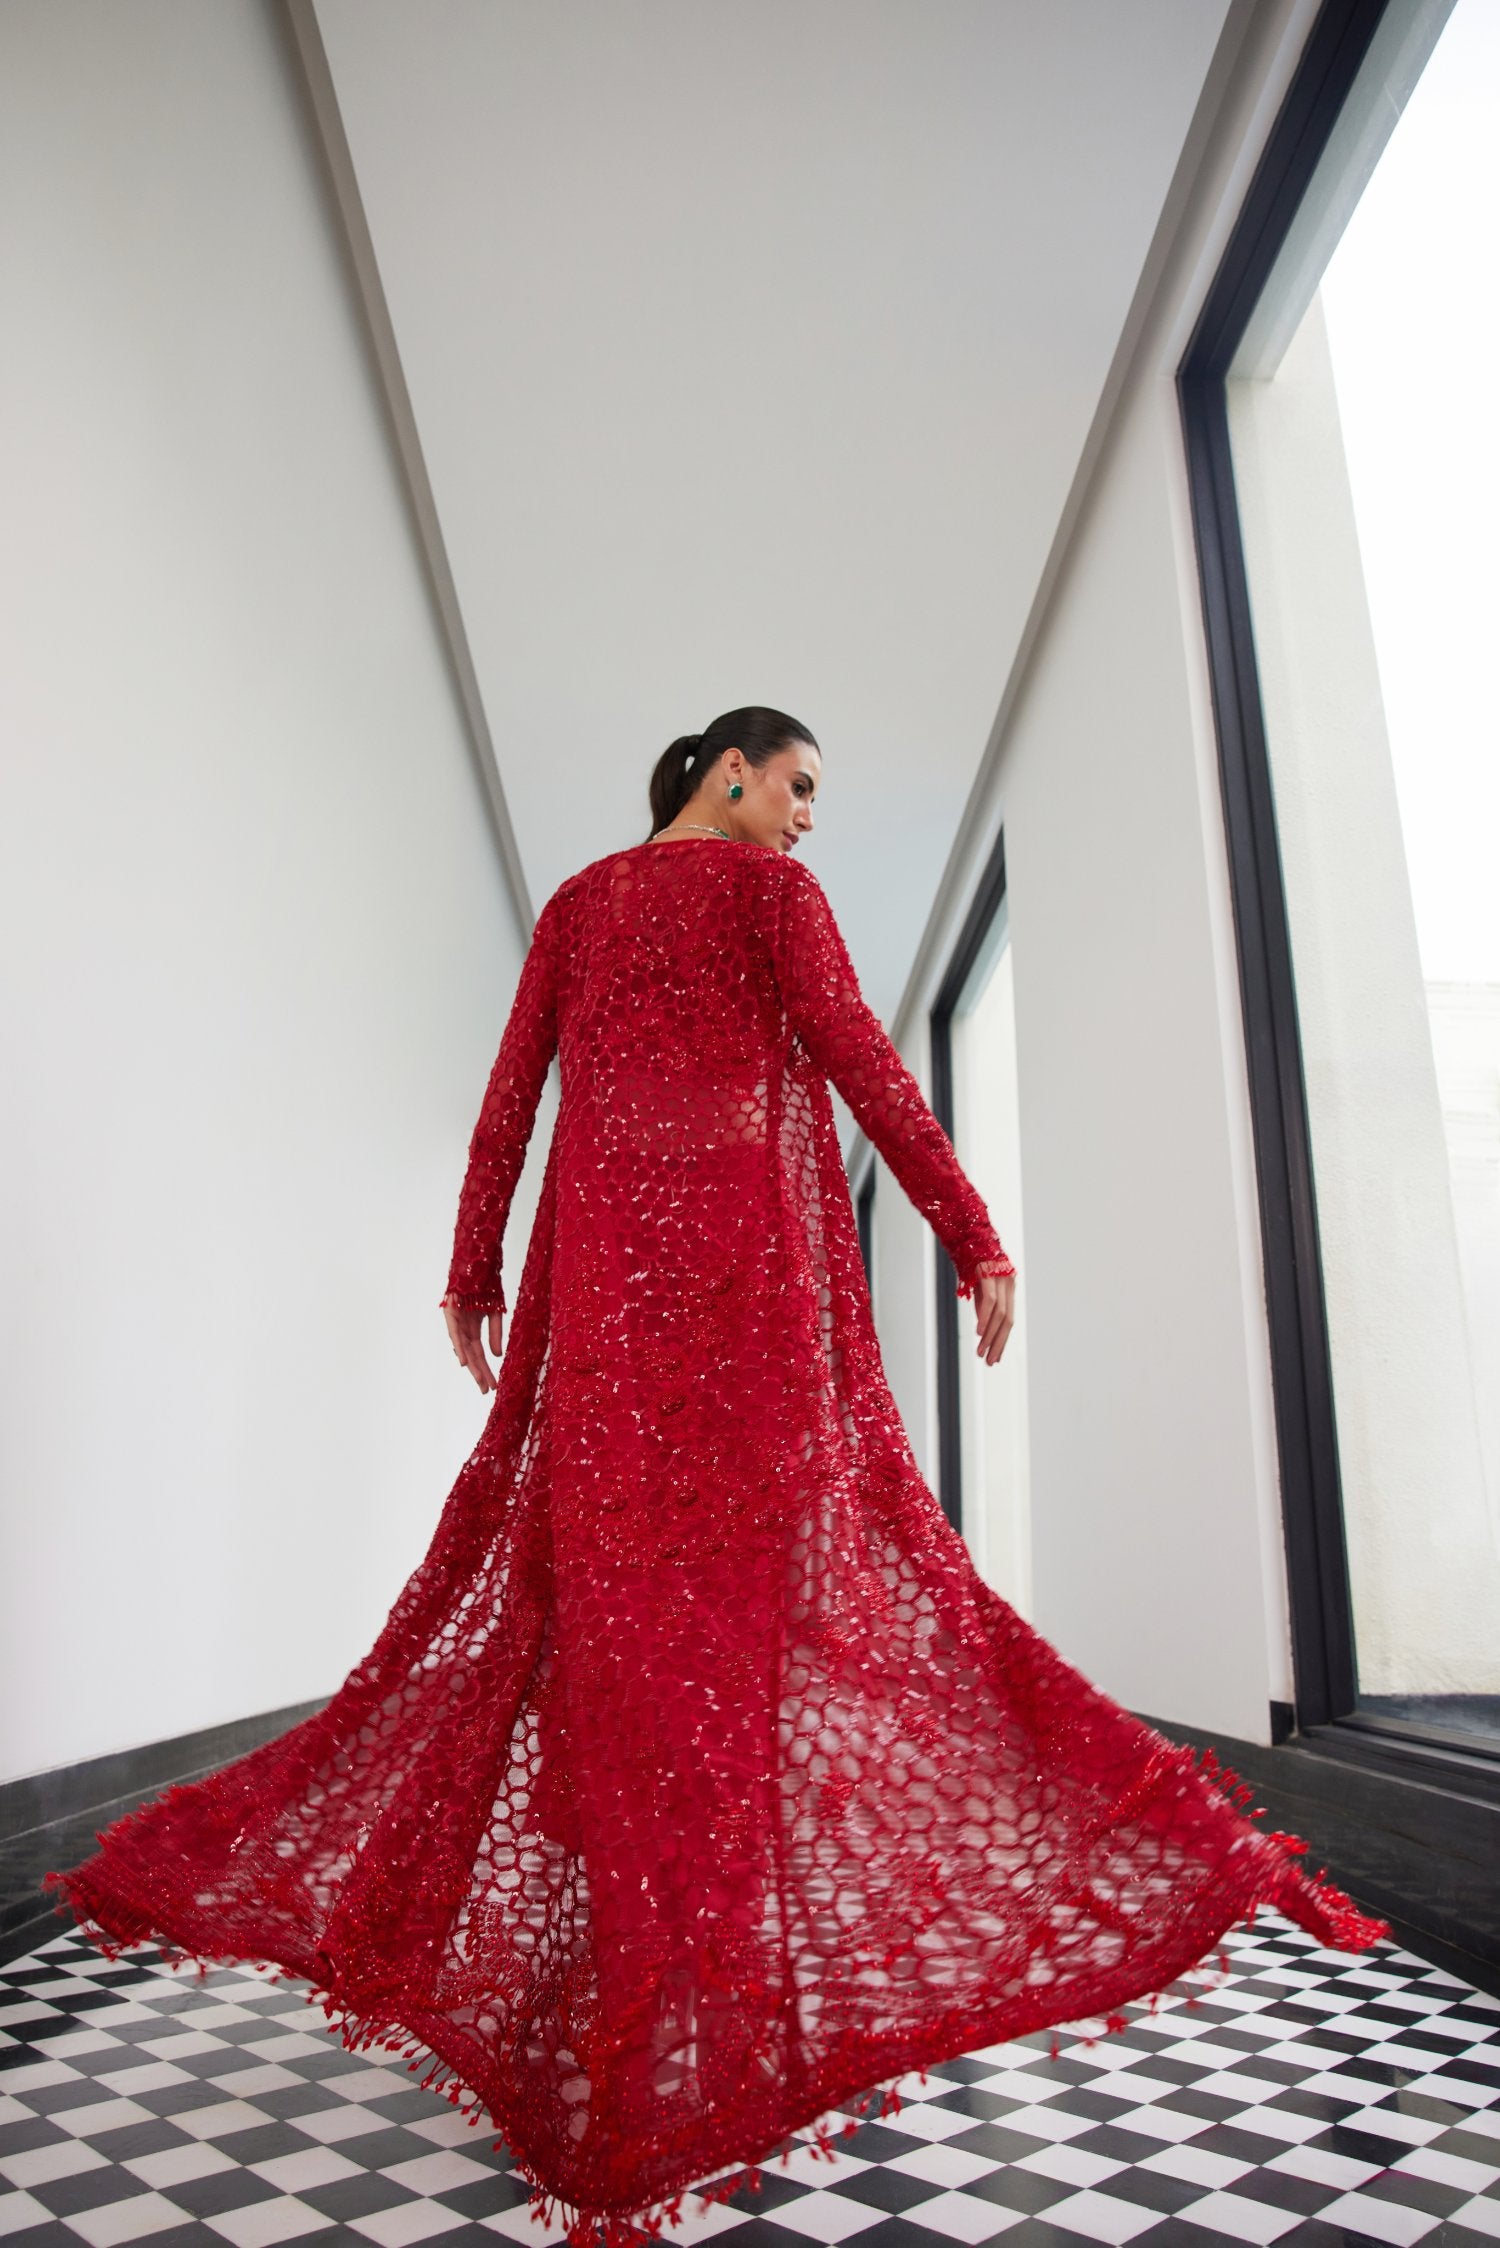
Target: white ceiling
x,y
752,349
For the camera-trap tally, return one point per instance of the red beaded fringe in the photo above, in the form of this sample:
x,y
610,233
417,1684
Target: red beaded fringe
x,y
1345,1928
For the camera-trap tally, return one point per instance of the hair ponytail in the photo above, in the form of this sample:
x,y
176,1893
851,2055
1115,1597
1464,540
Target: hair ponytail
x,y
756,731
671,779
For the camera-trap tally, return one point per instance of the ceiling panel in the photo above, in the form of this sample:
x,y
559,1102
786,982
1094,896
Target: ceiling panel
x,y
752,350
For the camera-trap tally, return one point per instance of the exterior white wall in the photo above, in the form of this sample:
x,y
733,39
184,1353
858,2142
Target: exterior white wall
x,y
257,952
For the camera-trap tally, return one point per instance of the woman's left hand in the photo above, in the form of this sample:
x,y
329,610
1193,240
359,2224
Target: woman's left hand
x,y
465,1329
994,1313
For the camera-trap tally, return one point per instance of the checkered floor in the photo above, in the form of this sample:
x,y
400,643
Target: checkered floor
x,y
1309,2098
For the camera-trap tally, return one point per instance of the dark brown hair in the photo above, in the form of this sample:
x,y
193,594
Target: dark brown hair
x,y
758,733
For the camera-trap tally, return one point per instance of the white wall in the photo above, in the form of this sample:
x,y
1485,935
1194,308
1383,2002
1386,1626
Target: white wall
x,y
1156,1529
1146,1555
257,952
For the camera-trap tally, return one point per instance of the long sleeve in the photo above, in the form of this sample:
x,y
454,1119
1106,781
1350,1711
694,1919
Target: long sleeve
x,y
497,1148
847,1042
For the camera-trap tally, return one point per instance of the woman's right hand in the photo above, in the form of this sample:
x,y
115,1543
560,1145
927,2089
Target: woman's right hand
x,y
994,1312
465,1329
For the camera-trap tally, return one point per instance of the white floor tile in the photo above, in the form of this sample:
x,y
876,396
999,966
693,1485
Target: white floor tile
x,y
265,2223
40,2165
178,2166
37,2076
1284,2125
1164,2123
940,2165
450,2129
286,2045
1134,2084
183,2045
959,2216
370,2083
1239,2218
698,2223
1069,2165
440,2172
69,2044
94,2116
309,2167
1463,2091
522,2224
145,2076
406,2223
828,2217
1034,2123
19,2212
1098,2216
1321,2167
331,2126
221,2120
135,2218
1392,2221
1244,2084
1455,2170
809,2168
918,2120
1196,2166
248,2083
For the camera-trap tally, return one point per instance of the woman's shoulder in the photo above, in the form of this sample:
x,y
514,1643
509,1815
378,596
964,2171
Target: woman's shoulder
x,y
768,871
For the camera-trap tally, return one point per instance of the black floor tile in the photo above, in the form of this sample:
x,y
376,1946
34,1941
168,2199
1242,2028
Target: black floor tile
x,y
879,2188
221,2190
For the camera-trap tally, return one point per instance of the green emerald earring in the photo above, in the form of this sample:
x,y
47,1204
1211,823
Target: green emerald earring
x,y
735,792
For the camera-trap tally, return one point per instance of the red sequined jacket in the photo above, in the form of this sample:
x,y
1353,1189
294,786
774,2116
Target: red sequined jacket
x,y
698,995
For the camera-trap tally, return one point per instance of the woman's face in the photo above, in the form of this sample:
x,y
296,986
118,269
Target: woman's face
x,y
776,808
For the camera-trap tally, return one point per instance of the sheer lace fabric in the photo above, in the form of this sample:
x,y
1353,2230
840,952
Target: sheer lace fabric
x,y
697,1784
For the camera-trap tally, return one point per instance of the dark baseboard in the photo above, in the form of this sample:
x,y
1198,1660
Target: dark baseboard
x,y
52,1818
1419,1854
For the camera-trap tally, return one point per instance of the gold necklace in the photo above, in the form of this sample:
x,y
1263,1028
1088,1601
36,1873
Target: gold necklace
x,y
702,830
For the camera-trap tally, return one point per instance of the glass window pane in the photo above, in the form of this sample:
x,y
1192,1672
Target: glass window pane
x,y
994,1473
1367,464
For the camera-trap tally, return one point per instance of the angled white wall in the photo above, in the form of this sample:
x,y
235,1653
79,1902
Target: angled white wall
x,y
1157,1552
255,946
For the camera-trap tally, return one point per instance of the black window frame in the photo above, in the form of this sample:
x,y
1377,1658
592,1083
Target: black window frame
x,y
988,898
1319,1590
864,1218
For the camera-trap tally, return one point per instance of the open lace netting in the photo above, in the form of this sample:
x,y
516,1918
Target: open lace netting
x,y
696,1784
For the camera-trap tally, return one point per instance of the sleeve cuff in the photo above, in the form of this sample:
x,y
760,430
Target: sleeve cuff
x,y
989,1267
458,1301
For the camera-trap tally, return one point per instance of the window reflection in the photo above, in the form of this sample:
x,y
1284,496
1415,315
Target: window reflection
x,y
1366,455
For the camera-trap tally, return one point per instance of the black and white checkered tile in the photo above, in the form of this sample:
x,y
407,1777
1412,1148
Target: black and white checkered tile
x,y
1308,2098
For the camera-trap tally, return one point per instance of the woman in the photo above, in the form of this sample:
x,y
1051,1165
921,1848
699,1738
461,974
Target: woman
x,y
697,1785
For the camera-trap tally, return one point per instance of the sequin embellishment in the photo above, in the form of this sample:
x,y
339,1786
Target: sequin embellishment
x,y
697,1786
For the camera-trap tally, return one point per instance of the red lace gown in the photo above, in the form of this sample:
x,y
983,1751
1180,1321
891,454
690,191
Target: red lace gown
x,y
697,1784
